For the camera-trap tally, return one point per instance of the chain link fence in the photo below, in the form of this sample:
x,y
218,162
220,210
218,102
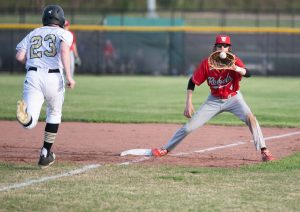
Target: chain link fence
x,y
166,52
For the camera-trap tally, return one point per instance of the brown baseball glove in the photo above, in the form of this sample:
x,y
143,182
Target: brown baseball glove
x,y
221,60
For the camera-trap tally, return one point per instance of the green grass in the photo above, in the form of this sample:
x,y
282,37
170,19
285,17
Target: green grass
x,y
139,99
270,186
266,187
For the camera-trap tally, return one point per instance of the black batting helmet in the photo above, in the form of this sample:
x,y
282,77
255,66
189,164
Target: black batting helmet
x,y
53,14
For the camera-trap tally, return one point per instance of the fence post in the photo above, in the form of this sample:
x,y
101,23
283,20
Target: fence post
x,y
257,23
223,18
277,18
293,20
170,48
22,16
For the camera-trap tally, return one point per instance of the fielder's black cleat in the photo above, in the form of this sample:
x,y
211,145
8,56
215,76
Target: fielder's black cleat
x,y
45,162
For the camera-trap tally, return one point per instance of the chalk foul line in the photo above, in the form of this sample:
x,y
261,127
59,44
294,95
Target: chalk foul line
x,y
43,179
233,144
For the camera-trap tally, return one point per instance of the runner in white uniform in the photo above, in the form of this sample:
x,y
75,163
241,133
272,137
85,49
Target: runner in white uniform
x,y
46,53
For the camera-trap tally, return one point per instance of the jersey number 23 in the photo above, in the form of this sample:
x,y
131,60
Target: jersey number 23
x,y
37,42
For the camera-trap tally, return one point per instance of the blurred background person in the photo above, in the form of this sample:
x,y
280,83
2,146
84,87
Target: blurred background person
x,y
74,56
109,57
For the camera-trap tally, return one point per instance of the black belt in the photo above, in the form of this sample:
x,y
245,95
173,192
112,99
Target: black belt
x,y
50,70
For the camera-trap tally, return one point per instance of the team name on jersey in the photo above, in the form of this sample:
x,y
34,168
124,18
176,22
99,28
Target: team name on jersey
x,y
217,83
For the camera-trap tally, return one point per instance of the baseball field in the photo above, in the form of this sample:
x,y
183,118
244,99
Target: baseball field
x,y
216,168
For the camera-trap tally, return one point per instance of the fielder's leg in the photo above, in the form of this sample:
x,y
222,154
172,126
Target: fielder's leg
x,y
256,132
258,138
238,107
207,111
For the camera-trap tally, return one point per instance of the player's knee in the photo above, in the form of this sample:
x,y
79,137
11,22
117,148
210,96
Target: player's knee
x,y
250,118
187,129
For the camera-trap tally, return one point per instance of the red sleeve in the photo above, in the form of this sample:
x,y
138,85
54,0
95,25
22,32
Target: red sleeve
x,y
200,75
74,37
239,62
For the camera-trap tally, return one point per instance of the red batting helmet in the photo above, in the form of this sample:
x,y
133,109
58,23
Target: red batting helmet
x,y
223,39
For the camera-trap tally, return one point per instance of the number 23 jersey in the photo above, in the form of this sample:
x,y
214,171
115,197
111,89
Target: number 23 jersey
x,y
42,47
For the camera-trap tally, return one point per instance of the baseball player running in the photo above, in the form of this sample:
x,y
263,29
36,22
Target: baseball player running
x,y
46,53
224,97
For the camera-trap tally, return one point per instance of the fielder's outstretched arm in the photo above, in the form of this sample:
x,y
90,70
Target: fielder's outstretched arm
x,y
242,71
189,108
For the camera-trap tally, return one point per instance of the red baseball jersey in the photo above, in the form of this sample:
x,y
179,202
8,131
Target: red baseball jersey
x,y
74,41
222,83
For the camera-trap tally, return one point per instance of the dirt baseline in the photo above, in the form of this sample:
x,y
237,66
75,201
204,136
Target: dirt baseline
x,y
102,143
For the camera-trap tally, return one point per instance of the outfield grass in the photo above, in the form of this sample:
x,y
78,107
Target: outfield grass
x,y
266,187
274,100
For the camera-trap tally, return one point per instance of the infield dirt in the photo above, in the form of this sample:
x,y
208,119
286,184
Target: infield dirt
x,y
102,143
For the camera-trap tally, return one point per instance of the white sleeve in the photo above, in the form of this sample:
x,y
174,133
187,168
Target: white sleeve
x,y
67,37
23,44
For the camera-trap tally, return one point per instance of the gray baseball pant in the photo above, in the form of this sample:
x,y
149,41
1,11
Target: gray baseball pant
x,y
212,107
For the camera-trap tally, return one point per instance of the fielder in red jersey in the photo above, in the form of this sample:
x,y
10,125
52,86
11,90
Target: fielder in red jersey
x,y
222,83
225,96
74,55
